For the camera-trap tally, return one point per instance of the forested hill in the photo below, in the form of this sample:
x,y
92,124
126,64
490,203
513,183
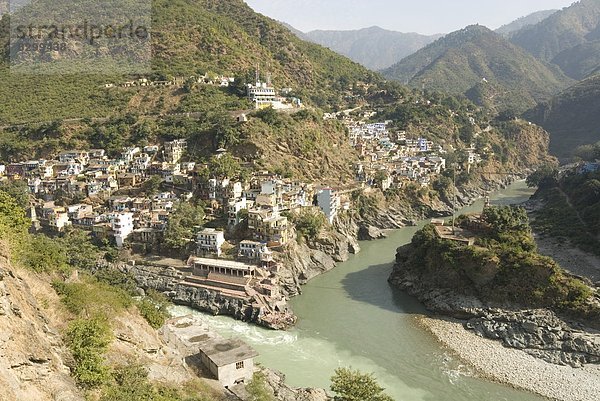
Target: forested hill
x,y
534,18
190,37
567,38
483,65
374,47
572,117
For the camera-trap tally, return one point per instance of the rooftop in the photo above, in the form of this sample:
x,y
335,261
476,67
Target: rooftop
x,y
230,264
226,352
455,234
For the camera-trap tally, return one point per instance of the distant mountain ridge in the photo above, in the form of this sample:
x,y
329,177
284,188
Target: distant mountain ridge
x,y
375,48
572,117
528,20
569,38
481,64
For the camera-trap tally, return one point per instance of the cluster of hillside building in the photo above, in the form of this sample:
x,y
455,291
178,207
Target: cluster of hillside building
x,y
260,94
111,198
206,79
108,206
392,159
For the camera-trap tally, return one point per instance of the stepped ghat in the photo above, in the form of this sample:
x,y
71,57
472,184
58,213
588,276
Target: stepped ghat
x,y
219,286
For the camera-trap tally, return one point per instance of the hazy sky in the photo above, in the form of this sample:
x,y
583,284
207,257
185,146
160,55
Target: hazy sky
x,y
422,16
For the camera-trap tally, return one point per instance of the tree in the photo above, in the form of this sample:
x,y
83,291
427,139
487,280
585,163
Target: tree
x,y
269,116
506,218
180,228
18,190
142,131
12,215
543,177
258,388
352,385
154,308
588,152
152,185
46,255
224,166
223,129
308,223
88,340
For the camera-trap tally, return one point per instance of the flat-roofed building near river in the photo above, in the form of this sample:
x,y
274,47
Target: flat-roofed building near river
x,y
230,361
203,267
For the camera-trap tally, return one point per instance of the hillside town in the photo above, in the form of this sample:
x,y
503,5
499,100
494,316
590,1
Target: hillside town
x,y
114,202
392,159
236,248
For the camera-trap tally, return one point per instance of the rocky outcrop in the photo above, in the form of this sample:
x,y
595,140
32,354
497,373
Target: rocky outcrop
x,y
400,213
33,359
275,382
539,333
368,233
306,259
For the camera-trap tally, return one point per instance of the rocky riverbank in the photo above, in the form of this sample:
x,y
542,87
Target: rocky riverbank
x,y
493,361
540,333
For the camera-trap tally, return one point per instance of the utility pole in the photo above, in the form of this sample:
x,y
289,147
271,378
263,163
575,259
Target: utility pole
x,y
454,201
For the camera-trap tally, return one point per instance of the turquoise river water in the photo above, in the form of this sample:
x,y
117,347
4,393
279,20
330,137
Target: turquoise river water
x,y
351,317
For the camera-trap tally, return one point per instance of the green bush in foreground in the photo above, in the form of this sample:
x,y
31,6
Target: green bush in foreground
x,y
352,385
153,308
90,297
130,383
257,388
88,340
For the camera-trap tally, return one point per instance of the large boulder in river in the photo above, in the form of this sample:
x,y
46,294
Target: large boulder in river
x,y
368,233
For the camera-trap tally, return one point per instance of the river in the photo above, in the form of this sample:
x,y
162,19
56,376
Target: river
x,y
351,317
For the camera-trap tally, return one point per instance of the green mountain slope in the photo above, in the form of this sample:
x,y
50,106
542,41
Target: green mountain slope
x,y
534,18
564,30
476,56
190,37
572,117
580,61
375,48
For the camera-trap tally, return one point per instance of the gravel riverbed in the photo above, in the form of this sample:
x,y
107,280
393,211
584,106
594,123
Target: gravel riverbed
x,y
491,360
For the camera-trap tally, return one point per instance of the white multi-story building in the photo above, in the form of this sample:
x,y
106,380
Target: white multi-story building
x,y
174,150
210,240
233,209
129,153
262,95
122,226
329,203
58,218
252,249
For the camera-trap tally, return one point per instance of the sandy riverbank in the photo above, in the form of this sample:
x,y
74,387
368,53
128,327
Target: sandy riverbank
x,y
570,258
491,360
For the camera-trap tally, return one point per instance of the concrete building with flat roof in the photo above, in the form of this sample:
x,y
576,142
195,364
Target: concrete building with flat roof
x,y
203,267
230,361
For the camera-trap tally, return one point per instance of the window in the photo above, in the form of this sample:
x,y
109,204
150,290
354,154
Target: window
x,y
239,365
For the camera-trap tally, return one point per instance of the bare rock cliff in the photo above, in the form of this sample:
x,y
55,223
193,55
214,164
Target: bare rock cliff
x,y
33,358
